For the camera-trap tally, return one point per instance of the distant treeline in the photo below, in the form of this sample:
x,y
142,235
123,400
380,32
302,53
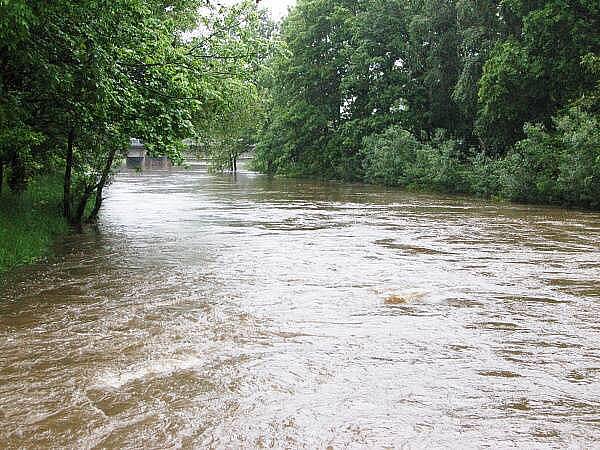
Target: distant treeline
x,y
498,98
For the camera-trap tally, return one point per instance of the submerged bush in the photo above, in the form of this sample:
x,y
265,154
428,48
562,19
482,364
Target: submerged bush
x,y
579,168
389,157
560,166
531,168
486,176
397,158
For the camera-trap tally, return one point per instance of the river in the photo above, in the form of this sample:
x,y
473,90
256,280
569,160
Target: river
x,y
218,312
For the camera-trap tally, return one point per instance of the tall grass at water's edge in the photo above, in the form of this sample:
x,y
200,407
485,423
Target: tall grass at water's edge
x,y
30,222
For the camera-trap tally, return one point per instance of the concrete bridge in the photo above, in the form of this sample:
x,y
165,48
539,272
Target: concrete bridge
x,y
137,158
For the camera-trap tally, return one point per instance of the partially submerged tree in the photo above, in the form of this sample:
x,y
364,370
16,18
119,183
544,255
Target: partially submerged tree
x,y
85,77
246,43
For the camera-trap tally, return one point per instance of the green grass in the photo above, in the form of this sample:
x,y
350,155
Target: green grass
x,y
30,222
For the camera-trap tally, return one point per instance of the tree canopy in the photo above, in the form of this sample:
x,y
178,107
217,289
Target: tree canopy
x,y
453,92
79,79
462,77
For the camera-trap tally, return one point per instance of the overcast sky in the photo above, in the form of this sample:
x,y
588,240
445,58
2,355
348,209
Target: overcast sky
x,y
278,7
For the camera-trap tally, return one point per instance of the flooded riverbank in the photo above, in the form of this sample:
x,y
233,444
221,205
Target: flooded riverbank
x,y
212,311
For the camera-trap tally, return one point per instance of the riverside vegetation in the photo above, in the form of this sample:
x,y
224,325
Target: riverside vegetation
x,y
492,98
30,221
79,79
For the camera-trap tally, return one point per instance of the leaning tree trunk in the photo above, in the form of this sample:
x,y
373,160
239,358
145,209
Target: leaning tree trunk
x,y
77,220
100,187
68,176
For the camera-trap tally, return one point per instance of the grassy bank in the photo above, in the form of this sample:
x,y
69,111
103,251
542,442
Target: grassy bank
x,y
29,222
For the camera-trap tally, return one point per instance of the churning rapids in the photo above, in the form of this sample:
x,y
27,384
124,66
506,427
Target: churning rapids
x,y
219,312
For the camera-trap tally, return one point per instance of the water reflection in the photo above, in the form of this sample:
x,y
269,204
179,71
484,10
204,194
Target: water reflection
x,y
209,311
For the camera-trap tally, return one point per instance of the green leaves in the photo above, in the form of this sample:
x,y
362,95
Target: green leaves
x,y
535,73
16,20
87,76
363,88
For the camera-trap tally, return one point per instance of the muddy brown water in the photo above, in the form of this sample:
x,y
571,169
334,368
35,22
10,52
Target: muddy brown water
x,y
213,312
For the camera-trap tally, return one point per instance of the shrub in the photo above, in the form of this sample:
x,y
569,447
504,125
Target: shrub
x,y
397,158
560,166
530,170
485,176
390,157
579,163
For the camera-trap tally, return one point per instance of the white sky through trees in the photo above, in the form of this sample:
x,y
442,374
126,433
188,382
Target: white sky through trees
x,y
278,8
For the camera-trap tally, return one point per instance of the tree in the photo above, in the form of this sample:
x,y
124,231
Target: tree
x,y
481,24
339,81
227,130
87,76
532,75
16,137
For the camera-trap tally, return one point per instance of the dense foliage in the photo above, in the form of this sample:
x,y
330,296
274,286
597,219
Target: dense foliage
x,y
227,133
79,79
496,98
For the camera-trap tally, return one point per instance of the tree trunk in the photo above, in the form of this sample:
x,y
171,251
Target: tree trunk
x,y
68,176
16,179
77,221
1,175
103,180
234,163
